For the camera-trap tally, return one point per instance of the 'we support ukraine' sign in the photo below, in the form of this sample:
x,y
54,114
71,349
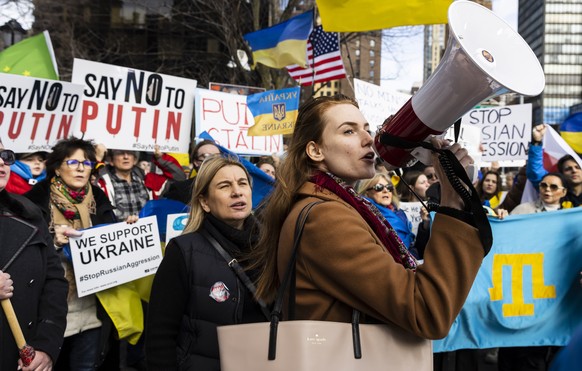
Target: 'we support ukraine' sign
x,y
527,292
108,256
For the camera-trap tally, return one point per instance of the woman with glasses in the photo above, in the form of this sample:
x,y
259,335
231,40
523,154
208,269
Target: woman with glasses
x,y
381,193
69,202
553,189
30,277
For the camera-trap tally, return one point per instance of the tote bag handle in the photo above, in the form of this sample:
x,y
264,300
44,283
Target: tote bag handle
x,y
289,281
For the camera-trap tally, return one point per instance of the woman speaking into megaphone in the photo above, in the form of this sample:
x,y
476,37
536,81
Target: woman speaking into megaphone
x,y
349,257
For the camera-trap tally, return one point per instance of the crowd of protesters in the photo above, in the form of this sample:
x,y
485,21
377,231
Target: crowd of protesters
x,y
81,184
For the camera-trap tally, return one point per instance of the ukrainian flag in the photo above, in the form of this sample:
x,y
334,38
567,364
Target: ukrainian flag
x,y
274,111
571,131
283,44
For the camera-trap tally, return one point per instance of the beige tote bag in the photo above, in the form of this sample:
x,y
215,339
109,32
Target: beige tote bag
x,y
318,345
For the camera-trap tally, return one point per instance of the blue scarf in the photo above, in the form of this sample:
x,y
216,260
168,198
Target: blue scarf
x,y
23,170
398,221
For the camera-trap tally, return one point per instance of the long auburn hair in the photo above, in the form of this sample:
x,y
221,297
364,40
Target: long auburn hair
x,y
207,172
292,174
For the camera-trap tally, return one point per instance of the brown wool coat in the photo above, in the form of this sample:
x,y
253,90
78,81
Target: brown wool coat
x,y
341,264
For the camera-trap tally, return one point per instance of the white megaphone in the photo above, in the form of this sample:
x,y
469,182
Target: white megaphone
x,y
484,57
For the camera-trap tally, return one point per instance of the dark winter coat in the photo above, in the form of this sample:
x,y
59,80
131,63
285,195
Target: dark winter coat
x,y
40,288
195,291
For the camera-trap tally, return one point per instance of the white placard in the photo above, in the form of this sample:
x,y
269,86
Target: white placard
x,y
175,225
109,256
134,110
505,131
227,119
35,113
412,211
377,103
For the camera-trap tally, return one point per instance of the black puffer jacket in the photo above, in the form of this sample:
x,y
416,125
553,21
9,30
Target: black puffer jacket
x,y
195,291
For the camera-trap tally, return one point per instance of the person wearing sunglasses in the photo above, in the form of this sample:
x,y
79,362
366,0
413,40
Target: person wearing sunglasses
x,y
69,203
553,189
567,165
31,277
380,191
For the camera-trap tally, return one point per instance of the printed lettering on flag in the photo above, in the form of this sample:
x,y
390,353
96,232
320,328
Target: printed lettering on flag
x,y
325,59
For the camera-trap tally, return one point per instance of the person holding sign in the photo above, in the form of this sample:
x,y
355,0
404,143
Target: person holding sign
x,y
195,289
31,279
70,203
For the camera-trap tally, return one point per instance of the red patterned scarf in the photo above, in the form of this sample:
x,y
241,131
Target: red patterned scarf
x,y
371,215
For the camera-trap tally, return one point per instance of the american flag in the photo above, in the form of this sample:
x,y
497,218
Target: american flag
x,y
324,59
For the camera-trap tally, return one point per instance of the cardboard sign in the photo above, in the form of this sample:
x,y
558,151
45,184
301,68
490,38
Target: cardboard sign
x,y
412,211
227,119
134,110
505,131
377,103
36,113
108,256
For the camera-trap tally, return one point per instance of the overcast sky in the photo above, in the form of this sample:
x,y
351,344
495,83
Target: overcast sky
x,y
411,60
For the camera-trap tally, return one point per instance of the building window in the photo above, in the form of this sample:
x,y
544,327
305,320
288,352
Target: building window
x,y
372,54
372,43
357,52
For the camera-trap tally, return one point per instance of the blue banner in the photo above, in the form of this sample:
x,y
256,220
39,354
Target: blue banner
x,y
527,292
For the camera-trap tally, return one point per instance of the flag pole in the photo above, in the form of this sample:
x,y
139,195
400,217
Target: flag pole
x,y
312,54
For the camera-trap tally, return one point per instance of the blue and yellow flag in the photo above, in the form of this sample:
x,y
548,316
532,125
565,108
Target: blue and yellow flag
x,y
275,111
33,57
571,131
368,15
283,44
527,292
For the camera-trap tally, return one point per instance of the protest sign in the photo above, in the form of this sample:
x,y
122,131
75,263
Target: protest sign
x,y
505,131
134,110
377,103
235,89
108,256
412,211
175,225
35,113
227,119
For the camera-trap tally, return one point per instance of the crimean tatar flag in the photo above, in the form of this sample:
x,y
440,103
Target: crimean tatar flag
x,y
527,291
283,44
368,15
274,111
325,59
33,57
